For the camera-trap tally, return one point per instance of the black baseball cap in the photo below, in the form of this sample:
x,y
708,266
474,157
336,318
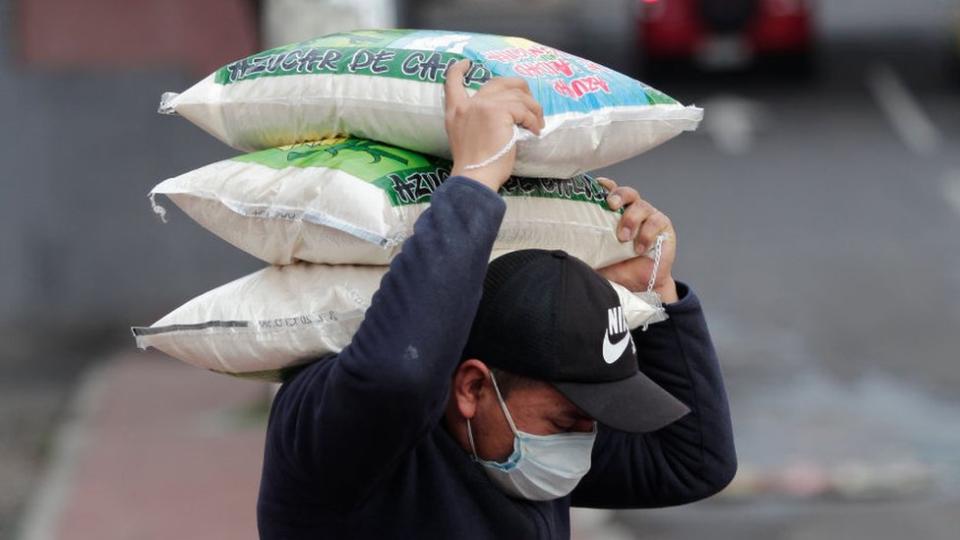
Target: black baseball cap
x,y
548,316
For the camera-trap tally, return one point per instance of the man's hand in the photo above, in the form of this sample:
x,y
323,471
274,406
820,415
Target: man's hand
x,y
641,223
479,126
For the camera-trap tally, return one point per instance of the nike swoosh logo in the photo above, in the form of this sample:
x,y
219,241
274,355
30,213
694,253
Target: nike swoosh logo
x,y
613,351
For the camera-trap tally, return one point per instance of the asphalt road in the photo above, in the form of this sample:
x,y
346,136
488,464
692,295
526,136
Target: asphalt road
x,y
818,221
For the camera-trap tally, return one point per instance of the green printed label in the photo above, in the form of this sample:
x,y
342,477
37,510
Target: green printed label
x,y
560,82
322,57
408,177
583,188
657,97
365,159
417,186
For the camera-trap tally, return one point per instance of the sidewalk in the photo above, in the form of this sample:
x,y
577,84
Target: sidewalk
x,y
154,449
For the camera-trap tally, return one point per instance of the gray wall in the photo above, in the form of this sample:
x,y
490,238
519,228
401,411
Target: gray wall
x,y
78,241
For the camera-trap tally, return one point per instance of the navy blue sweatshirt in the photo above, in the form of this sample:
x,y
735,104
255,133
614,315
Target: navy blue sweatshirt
x,y
356,445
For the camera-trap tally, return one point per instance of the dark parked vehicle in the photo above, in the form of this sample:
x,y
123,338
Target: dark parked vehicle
x,y
725,34
955,41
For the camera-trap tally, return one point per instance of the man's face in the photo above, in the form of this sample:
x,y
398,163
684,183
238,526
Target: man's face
x,y
538,409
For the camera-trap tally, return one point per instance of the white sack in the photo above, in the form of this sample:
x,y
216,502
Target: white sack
x,y
283,316
387,85
351,201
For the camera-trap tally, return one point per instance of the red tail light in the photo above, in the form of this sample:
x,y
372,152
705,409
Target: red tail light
x,y
652,9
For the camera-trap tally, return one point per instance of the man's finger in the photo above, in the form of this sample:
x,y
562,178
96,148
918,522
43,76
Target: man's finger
x,y
657,223
632,218
626,194
515,96
523,116
607,183
531,103
454,92
614,202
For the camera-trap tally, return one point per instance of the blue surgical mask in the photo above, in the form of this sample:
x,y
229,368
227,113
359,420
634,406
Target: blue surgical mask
x,y
541,467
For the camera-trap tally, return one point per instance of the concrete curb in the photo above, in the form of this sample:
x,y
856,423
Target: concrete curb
x,y
46,504
153,449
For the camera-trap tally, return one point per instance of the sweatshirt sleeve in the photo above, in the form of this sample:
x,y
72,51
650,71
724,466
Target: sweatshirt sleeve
x,y
687,460
345,421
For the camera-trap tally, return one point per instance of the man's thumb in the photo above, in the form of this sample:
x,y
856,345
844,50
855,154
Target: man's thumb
x,y
453,87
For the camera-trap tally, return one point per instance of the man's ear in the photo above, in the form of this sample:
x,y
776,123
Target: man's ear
x,y
468,384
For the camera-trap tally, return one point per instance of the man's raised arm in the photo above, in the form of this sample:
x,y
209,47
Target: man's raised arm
x,y
687,460
346,419
344,422
694,457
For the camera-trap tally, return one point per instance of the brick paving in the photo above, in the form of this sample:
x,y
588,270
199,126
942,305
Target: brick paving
x,y
155,450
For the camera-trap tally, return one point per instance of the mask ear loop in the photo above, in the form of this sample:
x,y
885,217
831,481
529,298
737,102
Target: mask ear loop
x,y
473,447
503,405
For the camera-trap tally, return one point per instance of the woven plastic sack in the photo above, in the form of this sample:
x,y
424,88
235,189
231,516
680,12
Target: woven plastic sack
x,y
387,85
268,322
354,201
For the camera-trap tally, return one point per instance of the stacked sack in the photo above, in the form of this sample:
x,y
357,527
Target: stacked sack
x,y
348,140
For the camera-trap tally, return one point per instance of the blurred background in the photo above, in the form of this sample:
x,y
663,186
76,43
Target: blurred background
x,y
818,210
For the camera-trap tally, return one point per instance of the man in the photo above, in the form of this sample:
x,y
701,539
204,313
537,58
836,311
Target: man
x,y
483,404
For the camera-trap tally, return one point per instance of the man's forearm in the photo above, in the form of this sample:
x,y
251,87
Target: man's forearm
x,y
687,460
668,291
420,317
678,354
365,408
